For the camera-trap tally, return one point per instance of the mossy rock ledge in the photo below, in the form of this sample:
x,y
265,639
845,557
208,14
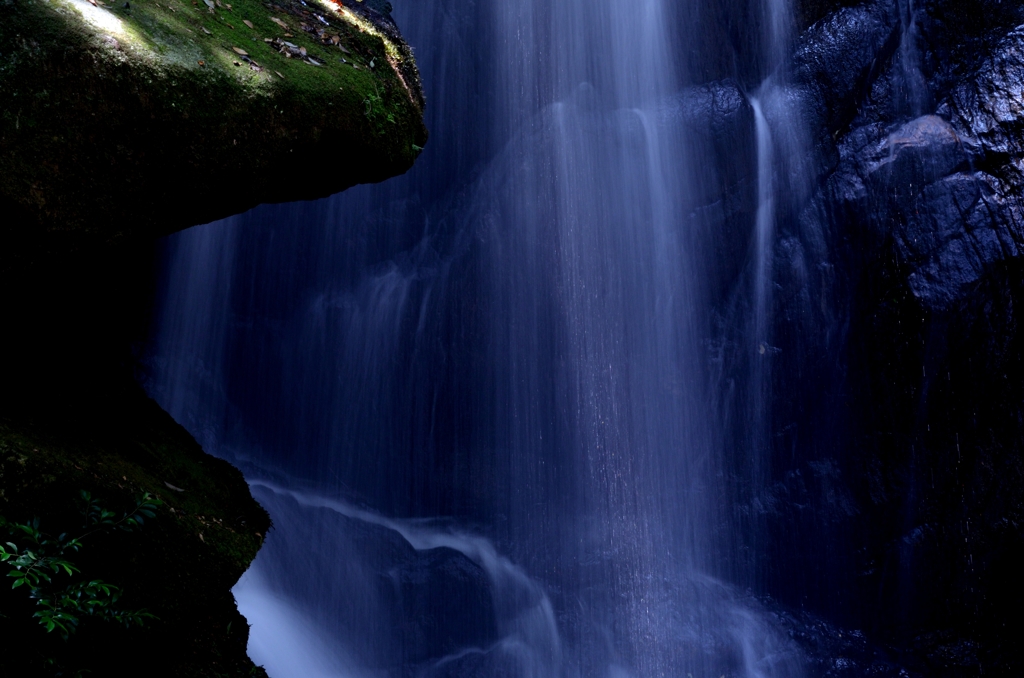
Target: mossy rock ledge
x,y
121,119
180,566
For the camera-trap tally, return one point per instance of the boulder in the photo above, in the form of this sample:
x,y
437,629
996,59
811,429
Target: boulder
x,y
838,58
944,187
127,120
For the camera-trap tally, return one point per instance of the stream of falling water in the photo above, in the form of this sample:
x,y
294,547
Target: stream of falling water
x,y
473,398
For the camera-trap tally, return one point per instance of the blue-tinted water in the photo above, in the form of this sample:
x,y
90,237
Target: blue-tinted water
x,y
476,399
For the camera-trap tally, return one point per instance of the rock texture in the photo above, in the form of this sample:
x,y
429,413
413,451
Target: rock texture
x,y
893,480
124,120
897,480
945,186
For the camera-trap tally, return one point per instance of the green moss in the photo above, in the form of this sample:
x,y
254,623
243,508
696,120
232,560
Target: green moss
x,y
147,119
190,36
180,567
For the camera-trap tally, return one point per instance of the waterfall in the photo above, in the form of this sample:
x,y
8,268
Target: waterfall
x,y
525,633
759,389
913,96
487,378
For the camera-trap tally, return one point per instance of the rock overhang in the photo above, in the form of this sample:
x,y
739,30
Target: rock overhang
x,y
137,118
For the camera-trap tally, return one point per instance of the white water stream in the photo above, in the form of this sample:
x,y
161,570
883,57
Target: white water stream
x,y
480,389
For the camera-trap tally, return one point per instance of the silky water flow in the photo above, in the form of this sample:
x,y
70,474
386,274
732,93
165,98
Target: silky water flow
x,y
473,398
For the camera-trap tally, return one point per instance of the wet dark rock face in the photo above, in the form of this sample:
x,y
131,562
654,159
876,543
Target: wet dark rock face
x,y
837,57
721,125
897,479
944,186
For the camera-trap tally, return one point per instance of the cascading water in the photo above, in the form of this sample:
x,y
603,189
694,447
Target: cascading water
x,y
913,88
473,399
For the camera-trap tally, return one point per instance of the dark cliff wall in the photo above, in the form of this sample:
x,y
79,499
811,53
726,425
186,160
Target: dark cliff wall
x,y
896,487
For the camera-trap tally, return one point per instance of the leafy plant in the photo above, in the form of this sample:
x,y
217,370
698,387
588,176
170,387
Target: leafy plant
x,y
376,113
100,518
41,561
